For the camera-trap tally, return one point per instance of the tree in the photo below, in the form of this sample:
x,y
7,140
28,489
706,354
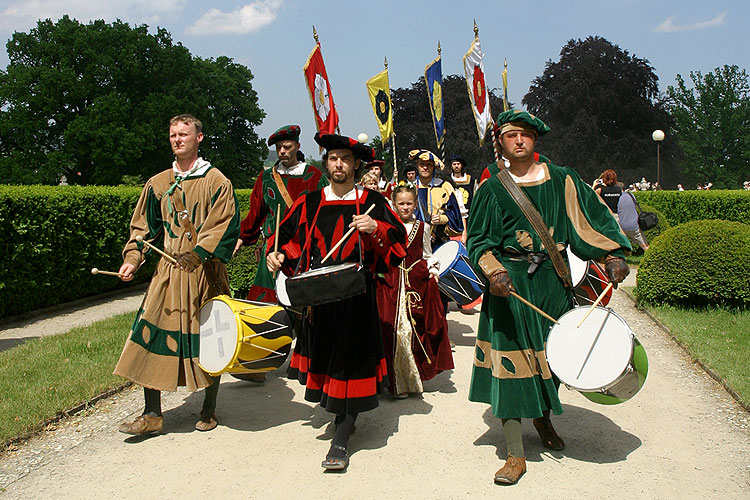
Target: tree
x,y
92,102
712,125
412,122
602,104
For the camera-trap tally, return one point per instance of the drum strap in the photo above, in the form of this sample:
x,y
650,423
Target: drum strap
x,y
535,219
281,187
213,280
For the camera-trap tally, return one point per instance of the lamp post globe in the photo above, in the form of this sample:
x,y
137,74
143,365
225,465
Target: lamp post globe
x,y
658,136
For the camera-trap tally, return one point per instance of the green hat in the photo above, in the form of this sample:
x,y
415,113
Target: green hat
x,y
515,119
285,133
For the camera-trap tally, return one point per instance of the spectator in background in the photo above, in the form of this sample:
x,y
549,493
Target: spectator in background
x,y
680,188
627,216
609,190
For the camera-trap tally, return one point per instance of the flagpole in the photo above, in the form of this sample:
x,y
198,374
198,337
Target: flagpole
x,y
505,85
394,177
441,146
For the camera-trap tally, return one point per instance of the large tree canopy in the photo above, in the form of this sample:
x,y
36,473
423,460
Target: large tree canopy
x,y
92,102
412,123
712,125
602,105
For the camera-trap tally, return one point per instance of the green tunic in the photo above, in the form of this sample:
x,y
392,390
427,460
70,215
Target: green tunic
x,y
510,365
163,346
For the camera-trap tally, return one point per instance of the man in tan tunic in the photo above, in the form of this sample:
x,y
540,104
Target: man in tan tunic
x,y
163,346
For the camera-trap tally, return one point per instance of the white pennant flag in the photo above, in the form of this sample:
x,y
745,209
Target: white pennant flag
x,y
478,95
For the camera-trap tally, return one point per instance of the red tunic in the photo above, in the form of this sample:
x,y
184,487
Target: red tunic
x,y
425,308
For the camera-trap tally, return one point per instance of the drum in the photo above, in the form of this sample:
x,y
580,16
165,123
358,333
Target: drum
x,y
457,279
326,284
601,359
589,280
241,336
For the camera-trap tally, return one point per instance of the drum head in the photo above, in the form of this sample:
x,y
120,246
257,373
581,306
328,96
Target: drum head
x,y
218,336
578,268
447,254
281,296
593,356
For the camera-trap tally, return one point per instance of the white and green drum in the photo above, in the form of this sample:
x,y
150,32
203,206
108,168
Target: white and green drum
x,y
602,359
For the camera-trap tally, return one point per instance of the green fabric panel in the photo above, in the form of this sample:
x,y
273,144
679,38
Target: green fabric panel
x,y
225,248
202,253
263,278
153,214
188,343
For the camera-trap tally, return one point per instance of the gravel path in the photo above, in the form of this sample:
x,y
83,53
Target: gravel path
x,y
681,435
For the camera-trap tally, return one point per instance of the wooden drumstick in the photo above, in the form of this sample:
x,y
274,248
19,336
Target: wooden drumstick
x,y
343,238
533,307
108,273
168,257
276,234
596,303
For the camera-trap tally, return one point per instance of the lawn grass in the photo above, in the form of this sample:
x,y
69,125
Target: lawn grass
x,y
49,375
719,338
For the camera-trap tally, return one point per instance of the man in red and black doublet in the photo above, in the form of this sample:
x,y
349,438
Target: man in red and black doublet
x,y
339,354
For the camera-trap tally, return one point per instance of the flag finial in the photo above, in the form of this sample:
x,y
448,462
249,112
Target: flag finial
x,y
505,64
315,35
385,62
439,50
476,29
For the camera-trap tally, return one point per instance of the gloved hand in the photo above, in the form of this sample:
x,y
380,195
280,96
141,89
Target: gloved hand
x,y
500,284
188,261
617,270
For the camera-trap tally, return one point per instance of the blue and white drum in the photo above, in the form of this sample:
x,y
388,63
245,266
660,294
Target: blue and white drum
x,y
457,279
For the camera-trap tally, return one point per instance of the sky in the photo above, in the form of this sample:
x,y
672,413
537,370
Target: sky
x,y
274,38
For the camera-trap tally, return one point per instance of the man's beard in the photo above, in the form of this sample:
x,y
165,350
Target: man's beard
x,y
341,178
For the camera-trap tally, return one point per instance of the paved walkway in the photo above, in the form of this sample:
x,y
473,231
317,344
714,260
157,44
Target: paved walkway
x,y
681,435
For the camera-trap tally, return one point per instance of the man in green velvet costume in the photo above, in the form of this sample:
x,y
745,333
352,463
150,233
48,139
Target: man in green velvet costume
x,y
510,365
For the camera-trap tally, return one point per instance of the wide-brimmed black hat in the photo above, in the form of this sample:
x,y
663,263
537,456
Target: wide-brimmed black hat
x,y
335,141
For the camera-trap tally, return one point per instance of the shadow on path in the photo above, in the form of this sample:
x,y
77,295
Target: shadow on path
x,y
589,437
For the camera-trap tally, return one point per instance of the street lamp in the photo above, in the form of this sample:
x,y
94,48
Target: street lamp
x,y
658,136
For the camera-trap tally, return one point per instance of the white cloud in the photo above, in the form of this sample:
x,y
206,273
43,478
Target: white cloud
x,y
246,19
20,15
668,26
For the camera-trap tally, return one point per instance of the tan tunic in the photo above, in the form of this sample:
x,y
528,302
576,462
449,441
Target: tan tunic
x,y
163,346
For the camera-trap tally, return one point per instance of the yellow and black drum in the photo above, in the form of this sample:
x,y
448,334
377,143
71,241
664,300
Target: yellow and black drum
x,y
240,336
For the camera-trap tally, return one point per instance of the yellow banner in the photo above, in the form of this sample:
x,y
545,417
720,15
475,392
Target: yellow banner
x,y
380,97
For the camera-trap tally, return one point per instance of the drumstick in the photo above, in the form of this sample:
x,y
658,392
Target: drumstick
x,y
533,307
591,349
276,234
343,238
169,258
108,273
596,303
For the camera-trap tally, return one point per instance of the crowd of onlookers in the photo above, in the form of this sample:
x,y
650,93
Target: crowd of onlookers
x,y
644,185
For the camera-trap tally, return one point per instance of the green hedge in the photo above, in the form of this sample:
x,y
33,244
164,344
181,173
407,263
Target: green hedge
x,y
685,206
698,264
53,235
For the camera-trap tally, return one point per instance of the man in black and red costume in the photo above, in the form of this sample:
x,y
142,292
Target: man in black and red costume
x,y
339,355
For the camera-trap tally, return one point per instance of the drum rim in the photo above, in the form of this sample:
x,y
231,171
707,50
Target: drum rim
x,y
632,338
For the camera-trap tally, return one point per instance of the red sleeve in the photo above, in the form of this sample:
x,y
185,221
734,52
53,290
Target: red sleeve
x,y
252,224
485,175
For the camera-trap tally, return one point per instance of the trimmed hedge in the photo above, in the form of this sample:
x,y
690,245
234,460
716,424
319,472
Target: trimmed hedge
x,y
53,235
698,264
685,206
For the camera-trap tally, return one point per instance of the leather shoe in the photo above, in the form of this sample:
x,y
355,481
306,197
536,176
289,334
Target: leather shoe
x,y
145,424
511,472
550,439
207,422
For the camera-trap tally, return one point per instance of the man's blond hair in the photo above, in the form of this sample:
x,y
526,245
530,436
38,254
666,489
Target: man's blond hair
x,y
189,120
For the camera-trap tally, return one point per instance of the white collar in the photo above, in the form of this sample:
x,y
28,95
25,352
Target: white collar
x,y
460,179
435,181
199,168
351,195
298,169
